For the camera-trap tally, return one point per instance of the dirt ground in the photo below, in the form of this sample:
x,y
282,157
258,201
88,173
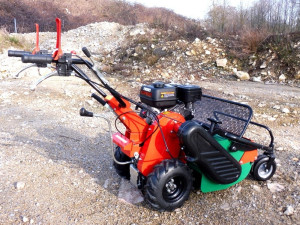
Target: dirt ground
x,y
56,167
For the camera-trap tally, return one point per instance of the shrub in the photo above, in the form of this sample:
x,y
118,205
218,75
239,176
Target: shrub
x,y
252,38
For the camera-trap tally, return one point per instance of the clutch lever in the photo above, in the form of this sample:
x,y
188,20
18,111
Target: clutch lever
x,y
31,65
25,68
36,83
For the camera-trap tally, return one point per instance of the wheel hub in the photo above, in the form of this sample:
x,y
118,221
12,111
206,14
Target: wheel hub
x,y
171,186
263,171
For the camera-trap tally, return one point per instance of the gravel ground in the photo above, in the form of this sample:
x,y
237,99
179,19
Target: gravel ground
x,y
56,167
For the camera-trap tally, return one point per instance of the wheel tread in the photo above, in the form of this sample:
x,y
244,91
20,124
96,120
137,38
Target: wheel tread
x,y
122,170
155,184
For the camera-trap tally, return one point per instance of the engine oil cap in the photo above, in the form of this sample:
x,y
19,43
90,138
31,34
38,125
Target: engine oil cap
x,y
158,84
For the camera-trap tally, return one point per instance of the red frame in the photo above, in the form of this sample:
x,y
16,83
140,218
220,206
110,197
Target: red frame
x,y
153,150
58,53
37,43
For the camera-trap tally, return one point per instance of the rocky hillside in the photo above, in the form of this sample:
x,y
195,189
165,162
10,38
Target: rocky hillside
x,y
144,54
43,12
50,155
157,54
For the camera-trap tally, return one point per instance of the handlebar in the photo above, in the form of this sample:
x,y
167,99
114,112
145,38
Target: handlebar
x,y
64,67
13,53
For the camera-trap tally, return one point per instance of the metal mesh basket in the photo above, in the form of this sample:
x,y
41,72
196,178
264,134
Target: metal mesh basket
x,y
235,117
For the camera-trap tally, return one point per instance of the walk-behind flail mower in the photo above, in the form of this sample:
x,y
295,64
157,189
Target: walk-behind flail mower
x,y
175,137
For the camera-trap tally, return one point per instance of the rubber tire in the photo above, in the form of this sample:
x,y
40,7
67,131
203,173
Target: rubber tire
x,y
155,190
259,164
122,170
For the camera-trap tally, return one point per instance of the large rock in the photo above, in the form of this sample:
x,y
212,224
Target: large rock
x,y
297,76
221,62
128,193
263,65
256,79
282,77
241,75
160,52
19,185
275,187
289,210
188,53
137,31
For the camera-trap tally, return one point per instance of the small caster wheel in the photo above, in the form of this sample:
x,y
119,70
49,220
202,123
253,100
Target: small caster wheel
x,y
260,170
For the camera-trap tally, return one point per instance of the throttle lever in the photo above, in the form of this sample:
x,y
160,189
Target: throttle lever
x,y
84,112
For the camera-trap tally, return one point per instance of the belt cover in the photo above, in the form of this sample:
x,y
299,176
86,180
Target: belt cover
x,y
212,159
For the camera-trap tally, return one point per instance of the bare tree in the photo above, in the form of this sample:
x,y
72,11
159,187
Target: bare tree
x,y
277,16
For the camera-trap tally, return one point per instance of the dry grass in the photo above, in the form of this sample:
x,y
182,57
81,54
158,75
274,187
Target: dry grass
x,y
251,39
8,40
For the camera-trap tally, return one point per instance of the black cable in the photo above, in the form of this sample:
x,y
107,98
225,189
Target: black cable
x,y
156,118
132,101
89,80
85,61
118,118
158,126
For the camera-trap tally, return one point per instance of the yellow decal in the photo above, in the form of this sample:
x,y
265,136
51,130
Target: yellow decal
x,y
167,94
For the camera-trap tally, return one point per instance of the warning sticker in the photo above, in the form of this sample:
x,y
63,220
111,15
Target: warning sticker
x,y
167,94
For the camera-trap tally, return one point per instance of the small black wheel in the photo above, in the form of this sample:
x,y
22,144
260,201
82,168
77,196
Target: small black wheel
x,y
260,171
122,170
169,185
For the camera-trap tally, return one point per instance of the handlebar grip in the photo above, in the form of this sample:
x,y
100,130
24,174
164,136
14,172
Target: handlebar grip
x,y
100,100
117,96
79,61
13,53
86,52
39,59
84,112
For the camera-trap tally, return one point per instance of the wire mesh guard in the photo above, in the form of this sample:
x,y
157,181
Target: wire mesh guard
x,y
234,116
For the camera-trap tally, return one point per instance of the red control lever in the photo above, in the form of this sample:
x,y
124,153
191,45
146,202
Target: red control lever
x,y
58,53
37,44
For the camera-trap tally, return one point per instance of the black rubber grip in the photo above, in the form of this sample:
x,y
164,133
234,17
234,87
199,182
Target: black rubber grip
x,y
84,112
13,53
117,96
39,59
78,61
86,52
100,100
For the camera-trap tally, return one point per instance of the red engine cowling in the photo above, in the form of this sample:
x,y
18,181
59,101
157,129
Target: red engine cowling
x,y
147,140
154,149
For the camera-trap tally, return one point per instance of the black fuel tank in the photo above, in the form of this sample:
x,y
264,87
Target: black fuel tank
x,y
159,95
